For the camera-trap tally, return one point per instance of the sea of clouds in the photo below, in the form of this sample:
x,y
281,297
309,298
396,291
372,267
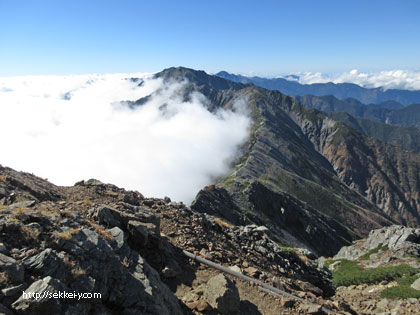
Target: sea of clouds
x,y
393,79
68,128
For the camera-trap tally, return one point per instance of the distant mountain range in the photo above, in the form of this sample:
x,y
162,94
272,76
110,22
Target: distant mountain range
x,y
340,90
404,116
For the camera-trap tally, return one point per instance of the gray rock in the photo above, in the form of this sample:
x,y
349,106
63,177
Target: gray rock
x,y
416,284
12,268
350,253
113,217
118,235
321,262
392,236
45,263
45,303
143,289
105,217
236,269
335,265
139,232
222,295
120,274
132,198
400,240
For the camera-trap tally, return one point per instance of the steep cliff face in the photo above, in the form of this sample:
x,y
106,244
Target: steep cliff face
x,y
386,175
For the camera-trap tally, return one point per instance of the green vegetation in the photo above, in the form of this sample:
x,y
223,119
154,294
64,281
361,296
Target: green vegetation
x,y
373,251
402,292
407,281
350,273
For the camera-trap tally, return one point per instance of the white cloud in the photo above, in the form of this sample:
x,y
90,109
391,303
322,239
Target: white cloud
x,y
394,79
68,128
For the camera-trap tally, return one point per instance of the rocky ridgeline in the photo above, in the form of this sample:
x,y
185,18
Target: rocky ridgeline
x,y
98,238
395,244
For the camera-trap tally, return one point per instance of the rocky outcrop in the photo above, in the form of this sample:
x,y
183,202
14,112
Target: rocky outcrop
x,y
18,186
217,201
384,245
53,248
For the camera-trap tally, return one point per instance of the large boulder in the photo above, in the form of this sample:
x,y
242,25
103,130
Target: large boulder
x,y
120,274
40,298
223,295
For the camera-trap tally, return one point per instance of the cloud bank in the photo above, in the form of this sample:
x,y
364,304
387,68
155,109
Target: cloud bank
x,y
395,79
68,128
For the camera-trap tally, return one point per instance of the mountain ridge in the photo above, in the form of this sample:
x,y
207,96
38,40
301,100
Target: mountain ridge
x,y
339,90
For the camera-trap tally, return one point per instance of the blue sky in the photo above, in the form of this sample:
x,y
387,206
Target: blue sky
x,y
263,37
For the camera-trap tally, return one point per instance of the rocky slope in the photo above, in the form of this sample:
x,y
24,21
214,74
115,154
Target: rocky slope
x,y
405,137
98,238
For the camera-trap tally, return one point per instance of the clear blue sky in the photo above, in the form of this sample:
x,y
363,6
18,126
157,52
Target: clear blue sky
x,y
264,37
